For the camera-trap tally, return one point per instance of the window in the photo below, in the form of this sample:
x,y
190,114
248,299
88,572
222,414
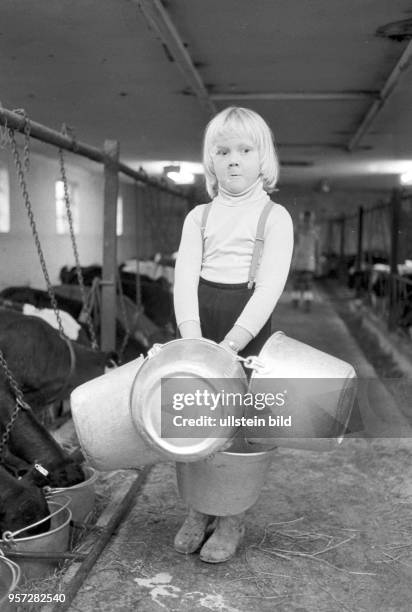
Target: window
x,y
4,201
119,216
62,224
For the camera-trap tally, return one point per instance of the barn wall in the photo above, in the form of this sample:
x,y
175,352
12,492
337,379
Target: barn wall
x,y
19,262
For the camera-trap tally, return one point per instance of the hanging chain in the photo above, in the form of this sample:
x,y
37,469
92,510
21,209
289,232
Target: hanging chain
x,y
26,130
79,272
27,203
20,403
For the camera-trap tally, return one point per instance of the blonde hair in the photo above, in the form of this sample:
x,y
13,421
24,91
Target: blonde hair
x,y
241,121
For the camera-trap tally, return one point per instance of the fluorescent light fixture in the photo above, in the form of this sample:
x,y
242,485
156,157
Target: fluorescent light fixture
x,y
183,177
160,167
179,174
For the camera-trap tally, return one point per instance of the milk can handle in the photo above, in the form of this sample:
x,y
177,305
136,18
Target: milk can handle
x,y
252,362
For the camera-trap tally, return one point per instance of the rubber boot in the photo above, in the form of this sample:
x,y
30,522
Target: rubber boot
x,y
223,543
192,533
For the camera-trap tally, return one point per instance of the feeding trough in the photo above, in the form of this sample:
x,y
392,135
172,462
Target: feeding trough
x,y
82,496
54,541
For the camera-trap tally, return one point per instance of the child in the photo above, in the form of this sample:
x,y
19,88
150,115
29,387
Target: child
x,y
305,261
225,290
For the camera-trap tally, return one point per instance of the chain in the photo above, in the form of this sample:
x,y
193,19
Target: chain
x,y
27,203
79,272
26,130
20,403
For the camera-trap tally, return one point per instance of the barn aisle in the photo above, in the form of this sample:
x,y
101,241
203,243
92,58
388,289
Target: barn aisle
x,y
330,531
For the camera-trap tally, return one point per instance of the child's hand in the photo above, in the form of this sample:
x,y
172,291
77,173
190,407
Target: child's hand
x,y
230,346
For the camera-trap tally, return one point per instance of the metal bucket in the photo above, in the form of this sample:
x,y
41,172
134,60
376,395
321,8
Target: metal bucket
x,y
82,496
227,483
55,540
183,364
9,579
315,393
101,416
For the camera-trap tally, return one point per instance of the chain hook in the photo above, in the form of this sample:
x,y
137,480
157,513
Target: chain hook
x,y
252,362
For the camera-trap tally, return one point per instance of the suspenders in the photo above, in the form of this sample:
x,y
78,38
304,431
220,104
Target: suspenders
x,y
257,249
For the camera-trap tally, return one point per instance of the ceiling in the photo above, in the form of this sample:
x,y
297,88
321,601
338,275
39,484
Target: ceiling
x,y
337,94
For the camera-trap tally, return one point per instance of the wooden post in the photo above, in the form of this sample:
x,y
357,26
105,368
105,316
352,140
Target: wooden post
x,y
139,251
394,256
109,274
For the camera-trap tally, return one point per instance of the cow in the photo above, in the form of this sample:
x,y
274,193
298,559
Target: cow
x,y
46,368
21,504
34,455
156,296
40,299
68,276
45,365
15,298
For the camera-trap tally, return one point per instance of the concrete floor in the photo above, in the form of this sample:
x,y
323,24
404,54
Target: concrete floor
x,y
330,531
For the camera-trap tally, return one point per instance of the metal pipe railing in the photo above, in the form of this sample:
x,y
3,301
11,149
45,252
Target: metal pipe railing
x,y
16,121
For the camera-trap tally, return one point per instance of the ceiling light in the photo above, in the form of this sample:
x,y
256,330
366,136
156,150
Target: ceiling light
x,y
181,177
179,174
406,178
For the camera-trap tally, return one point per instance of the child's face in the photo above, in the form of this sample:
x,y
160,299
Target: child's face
x,y
236,162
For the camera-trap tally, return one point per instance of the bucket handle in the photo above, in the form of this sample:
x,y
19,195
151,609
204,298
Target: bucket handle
x,y
15,570
8,536
252,362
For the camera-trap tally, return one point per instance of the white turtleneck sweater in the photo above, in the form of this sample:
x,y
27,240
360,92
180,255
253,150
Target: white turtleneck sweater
x,y
226,254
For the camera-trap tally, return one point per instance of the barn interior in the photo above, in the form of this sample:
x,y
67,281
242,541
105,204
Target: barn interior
x,y
121,91
332,81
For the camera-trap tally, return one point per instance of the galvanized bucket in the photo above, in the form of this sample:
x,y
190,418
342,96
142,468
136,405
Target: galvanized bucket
x,y
9,579
55,540
225,484
82,496
101,416
181,363
315,394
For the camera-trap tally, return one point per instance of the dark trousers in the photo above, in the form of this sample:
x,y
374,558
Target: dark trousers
x,y
220,305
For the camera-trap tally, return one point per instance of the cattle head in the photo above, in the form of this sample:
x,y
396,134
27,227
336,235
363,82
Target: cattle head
x,y
33,444
61,474
21,505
